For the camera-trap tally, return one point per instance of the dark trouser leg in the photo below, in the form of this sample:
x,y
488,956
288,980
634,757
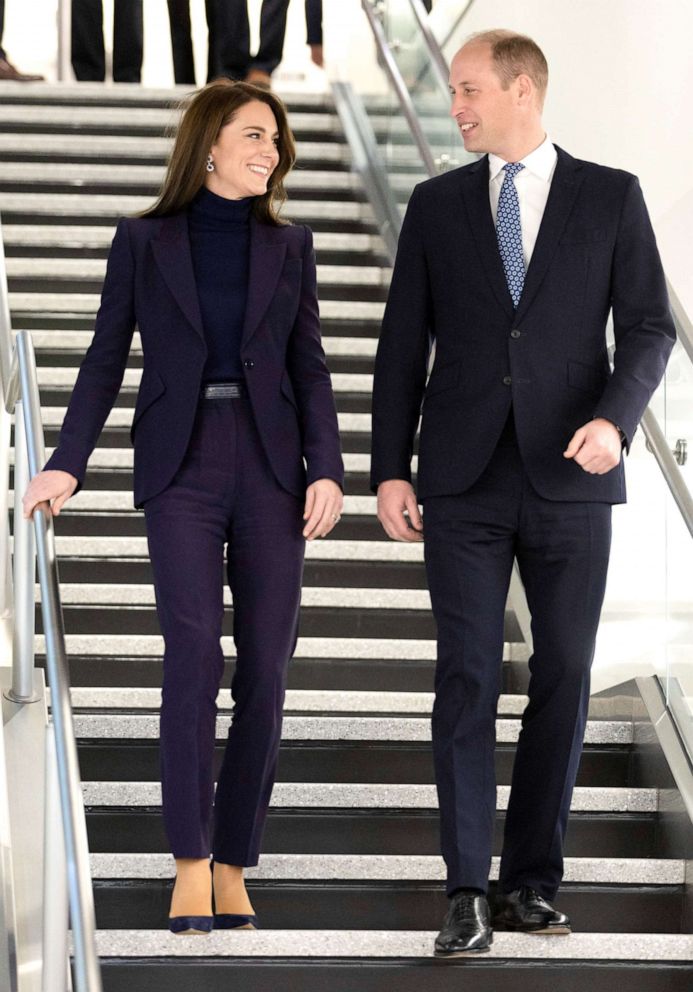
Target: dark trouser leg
x,y
265,566
229,39
563,553
128,29
88,56
469,547
272,32
181,41
186,530
314,22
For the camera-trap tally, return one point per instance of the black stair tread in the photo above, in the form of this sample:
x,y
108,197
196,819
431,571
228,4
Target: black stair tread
x,y
391,905
343,761
411,975
622,835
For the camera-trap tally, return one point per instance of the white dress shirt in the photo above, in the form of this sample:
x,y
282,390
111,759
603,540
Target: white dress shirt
x,y
532,184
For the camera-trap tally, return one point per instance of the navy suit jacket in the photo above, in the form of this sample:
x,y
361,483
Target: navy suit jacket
x,y
150,283
595,252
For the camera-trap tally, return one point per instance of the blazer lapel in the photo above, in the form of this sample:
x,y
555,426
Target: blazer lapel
x,y
476,199
265,267
564,189
174,259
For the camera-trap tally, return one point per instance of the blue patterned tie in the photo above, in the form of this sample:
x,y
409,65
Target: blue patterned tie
x,y
509,232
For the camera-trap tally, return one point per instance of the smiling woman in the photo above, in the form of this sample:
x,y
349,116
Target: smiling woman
x,y
229,126
224,294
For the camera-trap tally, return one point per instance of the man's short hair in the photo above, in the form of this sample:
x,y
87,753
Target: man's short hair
x,y
514,55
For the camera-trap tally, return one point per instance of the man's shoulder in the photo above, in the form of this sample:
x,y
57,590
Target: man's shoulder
x,y
441,185
594,171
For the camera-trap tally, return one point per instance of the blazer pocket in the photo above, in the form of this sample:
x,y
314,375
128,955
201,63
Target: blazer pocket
x,y
588,378
152,387
287,389
442,379
583,236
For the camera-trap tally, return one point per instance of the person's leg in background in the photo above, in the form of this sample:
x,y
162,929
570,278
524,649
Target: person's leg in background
x,y
181,41
229,39
7,70
272,32
314,30
128,31
88,55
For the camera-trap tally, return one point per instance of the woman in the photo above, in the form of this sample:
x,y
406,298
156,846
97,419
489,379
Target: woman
x,y
235,396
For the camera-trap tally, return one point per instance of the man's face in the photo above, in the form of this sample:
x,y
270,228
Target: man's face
x,y
486,114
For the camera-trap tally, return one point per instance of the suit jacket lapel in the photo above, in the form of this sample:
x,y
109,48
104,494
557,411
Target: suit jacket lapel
x,y
174,259
476,199
265,267
564,189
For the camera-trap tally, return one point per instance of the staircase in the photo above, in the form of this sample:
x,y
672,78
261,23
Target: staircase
x,y
350,888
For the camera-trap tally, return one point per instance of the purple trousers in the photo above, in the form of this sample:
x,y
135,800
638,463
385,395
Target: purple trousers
x,y
224,492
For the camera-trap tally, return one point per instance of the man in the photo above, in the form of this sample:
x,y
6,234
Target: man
x,y
88,54
512,264
229,39
9,72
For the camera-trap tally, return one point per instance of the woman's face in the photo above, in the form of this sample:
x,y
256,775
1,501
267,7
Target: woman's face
x,y
245,153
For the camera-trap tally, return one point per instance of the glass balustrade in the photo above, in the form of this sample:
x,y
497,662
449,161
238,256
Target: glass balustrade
x,y
677,424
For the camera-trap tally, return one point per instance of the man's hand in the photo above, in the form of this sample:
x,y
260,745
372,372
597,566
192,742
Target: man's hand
x,y
52,486
323,508
396,503
596,447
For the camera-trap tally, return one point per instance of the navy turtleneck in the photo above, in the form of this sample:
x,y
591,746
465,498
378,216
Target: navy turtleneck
x,y
219,241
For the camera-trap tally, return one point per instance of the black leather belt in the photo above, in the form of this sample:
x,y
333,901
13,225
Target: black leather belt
x,y
223,390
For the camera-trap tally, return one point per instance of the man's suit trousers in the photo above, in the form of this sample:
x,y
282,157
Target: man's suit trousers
x,y
88,55
562,550
224,491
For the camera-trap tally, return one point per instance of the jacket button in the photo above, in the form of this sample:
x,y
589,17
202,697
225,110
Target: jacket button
x,y
507,380
248,363
515,333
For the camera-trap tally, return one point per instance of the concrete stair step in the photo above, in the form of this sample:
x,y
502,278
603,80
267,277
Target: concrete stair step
x,y
93,270
141,726
80,207
84,236
392,868
340,795
361,944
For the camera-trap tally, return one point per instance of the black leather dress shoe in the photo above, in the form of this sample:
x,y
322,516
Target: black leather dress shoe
x,y
524,909
467,927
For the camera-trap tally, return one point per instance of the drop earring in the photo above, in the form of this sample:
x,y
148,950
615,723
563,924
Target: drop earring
x,y
210,164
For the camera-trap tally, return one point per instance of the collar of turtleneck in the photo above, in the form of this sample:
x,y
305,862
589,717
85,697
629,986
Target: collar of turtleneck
x,y
211,210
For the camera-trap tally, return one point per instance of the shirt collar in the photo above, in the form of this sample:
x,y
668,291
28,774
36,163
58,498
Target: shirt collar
x,y
540,162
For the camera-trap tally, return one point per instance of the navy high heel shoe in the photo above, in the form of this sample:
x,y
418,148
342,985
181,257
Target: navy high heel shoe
x,y
190,924
236,921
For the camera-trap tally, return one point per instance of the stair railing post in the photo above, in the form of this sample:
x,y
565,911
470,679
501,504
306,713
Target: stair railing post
x,y
55,891
64,16
24,572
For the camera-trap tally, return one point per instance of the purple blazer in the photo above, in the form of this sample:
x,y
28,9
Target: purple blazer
x,y
150,283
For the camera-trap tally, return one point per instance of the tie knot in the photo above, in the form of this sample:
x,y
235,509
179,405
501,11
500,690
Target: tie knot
x,y
512,169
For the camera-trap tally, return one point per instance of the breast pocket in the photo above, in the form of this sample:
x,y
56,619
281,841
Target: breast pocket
x,y
583,236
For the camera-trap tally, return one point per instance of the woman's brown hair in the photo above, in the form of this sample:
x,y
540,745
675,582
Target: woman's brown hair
x,y
204,115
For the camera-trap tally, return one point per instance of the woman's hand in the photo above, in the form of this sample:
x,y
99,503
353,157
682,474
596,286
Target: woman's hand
x,y
53,486
323,508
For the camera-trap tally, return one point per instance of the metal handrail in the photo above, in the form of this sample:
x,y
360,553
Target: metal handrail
x,y
21,391
440,66
397,80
